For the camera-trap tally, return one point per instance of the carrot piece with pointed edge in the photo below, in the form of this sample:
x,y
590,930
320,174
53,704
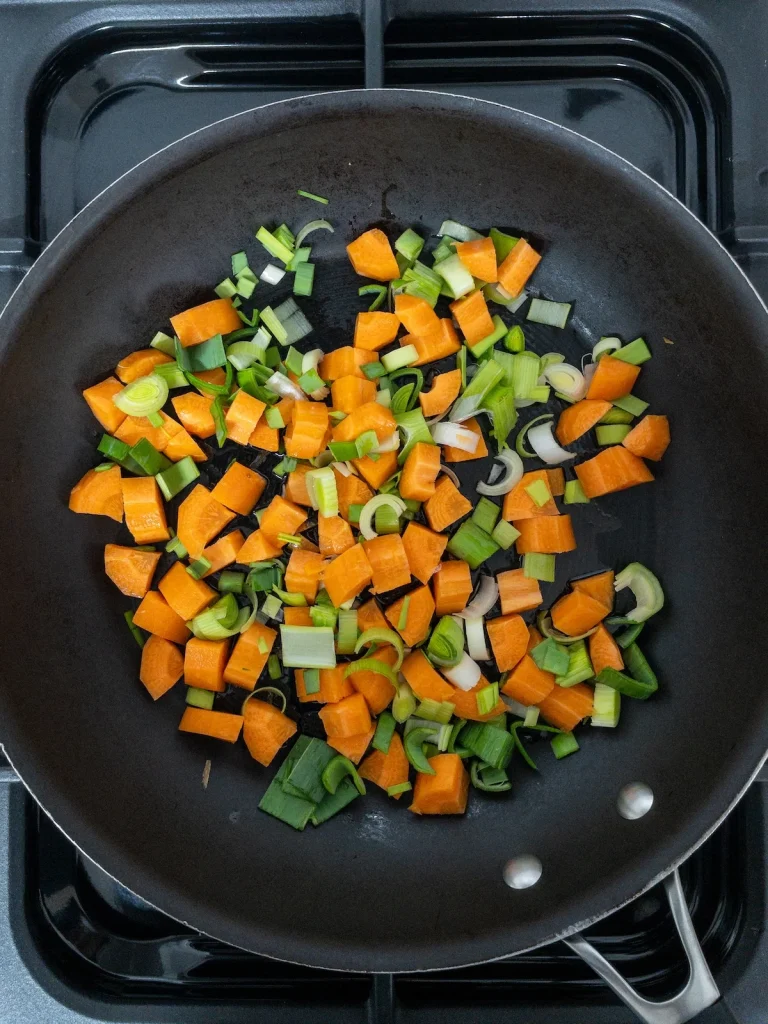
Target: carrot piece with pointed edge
x,y
239,489
100,494
465,703
258,548
347,393
297,616
305,437
347,575
473,317
423,548
386,770
187,596
446,791
577,612
247,661
566,706
416,315
423,679
162,666
604,652
548,535
509,640
224,552
443,392
422,465
376,688
452,586
370,416
421,608
334,535
265,437
351,490
265,730
451,454
520,263
302,576
296,485
649,439
518,504
133,428
527,683
345,362
194,411
517,592
99,398
334,686
140,364
369,615
156,616
375,330
556,482
389,562
347,717
599,586
446,506
205,321
204,664
181,444
144,510
612,379
440,342
219,725
614,469
371,255
281,516
352,747
200,519
129,569
575,420
479,257
375,472
242,416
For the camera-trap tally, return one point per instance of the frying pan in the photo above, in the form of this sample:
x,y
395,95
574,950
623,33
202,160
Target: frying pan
x,y
377,889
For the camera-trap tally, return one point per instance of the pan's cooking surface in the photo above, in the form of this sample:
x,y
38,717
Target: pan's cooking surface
x,y
378,889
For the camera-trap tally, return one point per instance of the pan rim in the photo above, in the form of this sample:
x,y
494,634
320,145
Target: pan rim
x,y
119,194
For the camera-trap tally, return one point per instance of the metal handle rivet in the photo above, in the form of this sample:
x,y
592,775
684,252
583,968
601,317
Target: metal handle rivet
x,y
635,800
522,872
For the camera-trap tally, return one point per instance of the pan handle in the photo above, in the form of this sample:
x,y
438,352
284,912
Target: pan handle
x,y
700,990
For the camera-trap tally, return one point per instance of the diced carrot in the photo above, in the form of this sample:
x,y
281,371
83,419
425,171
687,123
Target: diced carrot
x,y
100,494
527,683
215,376
376,688
129,569
604,652
451,454
187,596
549,535
133,428
473,317
333,686
416,315
369,615
204,663
297,616
265,730
247,661
377,471
281,516
242,416
517,592
518,504
577,612
285,408
351,490
612,379
566,706
509,640
302,575
389,563
437,344
347,717
575,420
371,255
446,791
352,747
556,481
194,411
465,703
599,586
265,437
375,330
239,489
422,465
205,321
305,438
296,485
224,552
386,770
347,393
347,575
258,548
518,266
446,506
452,585
479,257
140,364
180,444
144,510
370,416
219,725
99,399
614,469
418,619
162,666
156,616
423,679
200,519
334,535
424,548
444,391
649,439
345,362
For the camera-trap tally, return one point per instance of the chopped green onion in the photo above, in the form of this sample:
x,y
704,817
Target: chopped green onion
x,y
505,534
163,343
138,636
489,779
646,588
404,356
613,433
323,493
385,729
404,704
332,803
343,451
313,225
472,545
284,234
514,341
311,680
172,374
378,290
274,668
460,232
436,711
323,616
414,430
371,665
632,404
176,477
487,698
574,493
520,448
219,420
273,325
226,289
346,636
308,646
539,493
531,717
373,370
198,698
540,393
354,513
414,749
274,246
143,396
366,443
579,665
239,263
381,635
398,788
300,256
539,567
175,547
635,662
550,656
409,244
340,768
311,195
488,376
205,356
630,635
554,314
641,684
563,744
119,452
486,514
446,643
525,373
271,607
636,352
499,403
145,455
336,416
606,706
461,365
231,582
304,279
499,331
386,520
456,276
305,774
293,810
311,381
502,243
293,601
198,568
617,416
402,621
367,512
490,744
274,418
252,320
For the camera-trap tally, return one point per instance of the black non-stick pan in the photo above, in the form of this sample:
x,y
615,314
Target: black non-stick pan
x,y
376,888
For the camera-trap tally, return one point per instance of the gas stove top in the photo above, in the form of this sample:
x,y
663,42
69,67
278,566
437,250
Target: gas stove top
x,y
89,90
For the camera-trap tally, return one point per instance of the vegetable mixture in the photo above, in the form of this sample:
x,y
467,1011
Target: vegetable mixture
x,y
351,590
